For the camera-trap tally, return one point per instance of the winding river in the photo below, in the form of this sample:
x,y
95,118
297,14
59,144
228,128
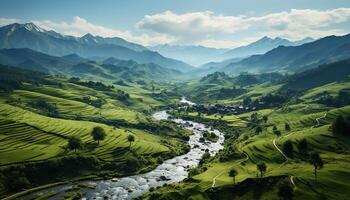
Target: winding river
x,y
170,171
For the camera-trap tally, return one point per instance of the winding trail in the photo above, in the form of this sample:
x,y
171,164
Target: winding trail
x,y
214,179
279,150
318,120
285,157
243,160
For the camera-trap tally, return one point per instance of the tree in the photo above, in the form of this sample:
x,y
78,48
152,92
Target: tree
x,y
274,128
74,143
285,192
317,161
340,126
261,166
303,146
265,118
287,148
131,139
277,132
98,134
258,129
287,127
132,164
206,156
233,173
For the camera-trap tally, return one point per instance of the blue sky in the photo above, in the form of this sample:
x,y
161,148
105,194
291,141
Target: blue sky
x,y
215,23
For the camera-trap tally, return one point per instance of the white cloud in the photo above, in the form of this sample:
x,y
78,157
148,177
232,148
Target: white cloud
x,y
192,26
214,30
80,26
206,27
6,21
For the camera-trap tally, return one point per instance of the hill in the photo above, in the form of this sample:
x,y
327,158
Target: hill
x,y
41,113
73,65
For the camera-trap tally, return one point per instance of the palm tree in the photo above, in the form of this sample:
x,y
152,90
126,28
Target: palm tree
x,y
233,173
262,168
131,139
317,161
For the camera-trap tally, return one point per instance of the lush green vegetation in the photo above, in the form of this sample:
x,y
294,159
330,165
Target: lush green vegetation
x,y
49,125
296,146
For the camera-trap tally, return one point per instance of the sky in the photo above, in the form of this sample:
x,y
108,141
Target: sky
x,y
211,23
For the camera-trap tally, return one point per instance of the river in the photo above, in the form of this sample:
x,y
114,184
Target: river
x,y
170,171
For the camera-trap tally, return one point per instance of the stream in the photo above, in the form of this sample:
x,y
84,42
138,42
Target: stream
x,y
170,171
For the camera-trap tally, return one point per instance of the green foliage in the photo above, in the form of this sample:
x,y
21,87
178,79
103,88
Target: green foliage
x,y
75,143
131,139
341,126
98,134
303,146
287,148
317,162
261,166
132,164
233,173
287,127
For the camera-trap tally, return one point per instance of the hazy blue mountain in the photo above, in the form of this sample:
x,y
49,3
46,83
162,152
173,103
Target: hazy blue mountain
x,y
74,65
194,55
32,60
262,46
49,42
295,58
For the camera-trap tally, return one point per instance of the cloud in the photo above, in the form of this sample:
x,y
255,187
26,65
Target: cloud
x,y
192,26
6,21
80,26
206,26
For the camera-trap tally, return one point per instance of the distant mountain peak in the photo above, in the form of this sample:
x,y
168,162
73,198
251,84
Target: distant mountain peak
x,y
32,27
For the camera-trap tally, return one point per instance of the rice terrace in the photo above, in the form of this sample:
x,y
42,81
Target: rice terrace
x,y
174,100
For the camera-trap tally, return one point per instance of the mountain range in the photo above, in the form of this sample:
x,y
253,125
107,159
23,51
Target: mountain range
x,y
49,42
73,65
262,46
295,58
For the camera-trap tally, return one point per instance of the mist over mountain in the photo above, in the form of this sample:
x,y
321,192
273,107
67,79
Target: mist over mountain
x,y
49,42
194,55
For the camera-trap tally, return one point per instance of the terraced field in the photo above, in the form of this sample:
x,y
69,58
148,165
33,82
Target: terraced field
x,y
29,136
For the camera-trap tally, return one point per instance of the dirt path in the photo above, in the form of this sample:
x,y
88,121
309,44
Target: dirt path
x,y
214,179
279,150
245,159
291,178
318,120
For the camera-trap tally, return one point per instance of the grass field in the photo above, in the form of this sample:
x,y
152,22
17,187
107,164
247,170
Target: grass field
x,y
333,178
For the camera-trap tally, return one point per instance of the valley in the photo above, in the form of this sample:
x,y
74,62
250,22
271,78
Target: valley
x,y
92,117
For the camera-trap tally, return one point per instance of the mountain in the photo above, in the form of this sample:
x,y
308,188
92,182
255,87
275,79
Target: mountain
x,y
295,58
319,76
73,65
194,55
32,60
49,42
262,46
